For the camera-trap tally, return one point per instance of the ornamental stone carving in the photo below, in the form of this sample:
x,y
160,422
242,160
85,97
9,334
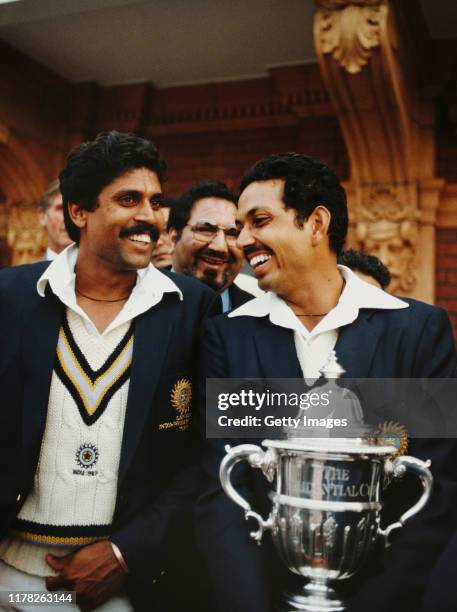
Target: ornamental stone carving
x,y
24,236
349,30
388,227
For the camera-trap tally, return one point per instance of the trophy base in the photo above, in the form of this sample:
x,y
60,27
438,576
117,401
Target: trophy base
x,y
313,598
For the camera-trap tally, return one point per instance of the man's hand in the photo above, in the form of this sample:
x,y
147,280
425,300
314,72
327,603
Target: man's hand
x,y
92,571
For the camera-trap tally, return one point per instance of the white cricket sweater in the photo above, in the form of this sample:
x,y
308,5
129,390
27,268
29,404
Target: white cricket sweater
x,y
74,491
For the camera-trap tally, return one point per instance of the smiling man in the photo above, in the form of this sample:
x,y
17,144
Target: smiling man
x,y
202,224
96,370
293,218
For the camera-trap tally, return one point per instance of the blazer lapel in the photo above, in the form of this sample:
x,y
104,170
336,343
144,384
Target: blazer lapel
x,y
40,335
356,346
238,296
355,349
152,333
276,351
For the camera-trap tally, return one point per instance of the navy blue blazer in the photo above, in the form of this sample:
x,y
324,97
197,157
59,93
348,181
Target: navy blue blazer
x,y
441,593
238,296
156,477
415,343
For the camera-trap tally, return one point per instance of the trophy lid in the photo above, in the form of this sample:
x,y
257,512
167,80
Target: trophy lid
x,y
332,368
359,437
353,446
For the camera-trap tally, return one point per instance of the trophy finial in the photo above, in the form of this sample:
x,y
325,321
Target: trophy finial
x,y
332,369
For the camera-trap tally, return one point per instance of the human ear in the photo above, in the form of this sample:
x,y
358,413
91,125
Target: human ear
x,y
77,214
320,223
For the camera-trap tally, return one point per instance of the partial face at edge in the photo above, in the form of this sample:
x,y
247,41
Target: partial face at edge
x,y
162,255
52,220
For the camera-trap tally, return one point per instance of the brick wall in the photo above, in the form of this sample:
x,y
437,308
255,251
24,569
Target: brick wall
x,y
214,130
446,273
226,155
217,130
33,115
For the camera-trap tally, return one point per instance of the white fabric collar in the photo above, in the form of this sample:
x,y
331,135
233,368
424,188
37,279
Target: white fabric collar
x,y
150,287
356,294
50,254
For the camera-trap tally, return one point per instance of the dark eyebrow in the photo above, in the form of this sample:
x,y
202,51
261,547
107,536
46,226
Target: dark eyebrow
x,y
205,222
252,212
130,192
134,193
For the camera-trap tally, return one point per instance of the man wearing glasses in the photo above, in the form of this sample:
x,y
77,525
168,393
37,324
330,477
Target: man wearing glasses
x,y
203,228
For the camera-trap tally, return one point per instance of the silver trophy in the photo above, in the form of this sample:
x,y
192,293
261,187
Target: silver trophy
x,y
326,506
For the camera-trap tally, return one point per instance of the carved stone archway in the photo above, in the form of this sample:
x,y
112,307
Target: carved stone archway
x,y
366,63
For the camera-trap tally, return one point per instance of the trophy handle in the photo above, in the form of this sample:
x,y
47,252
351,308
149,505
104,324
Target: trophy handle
x,y
257,458
397,469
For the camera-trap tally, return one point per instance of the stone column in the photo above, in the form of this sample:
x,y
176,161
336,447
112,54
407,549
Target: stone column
x,y
368,69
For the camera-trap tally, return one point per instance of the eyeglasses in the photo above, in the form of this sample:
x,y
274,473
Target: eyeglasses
x,y
205,231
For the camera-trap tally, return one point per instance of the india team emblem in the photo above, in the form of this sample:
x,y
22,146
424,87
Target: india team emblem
x,y
181,395
87,455
181,398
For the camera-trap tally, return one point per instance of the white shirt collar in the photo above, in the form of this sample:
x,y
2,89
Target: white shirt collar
x,y
356,294
150,287
50,254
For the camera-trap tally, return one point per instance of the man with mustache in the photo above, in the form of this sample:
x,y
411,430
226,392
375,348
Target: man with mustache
x,y
96,371
293,218
202,224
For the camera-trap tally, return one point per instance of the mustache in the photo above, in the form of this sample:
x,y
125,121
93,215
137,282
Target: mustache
x,y
141,228
230,258
253,248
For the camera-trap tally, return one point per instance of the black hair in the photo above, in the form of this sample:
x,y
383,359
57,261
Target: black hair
x,y
95,164
367,264
308,183
181,210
